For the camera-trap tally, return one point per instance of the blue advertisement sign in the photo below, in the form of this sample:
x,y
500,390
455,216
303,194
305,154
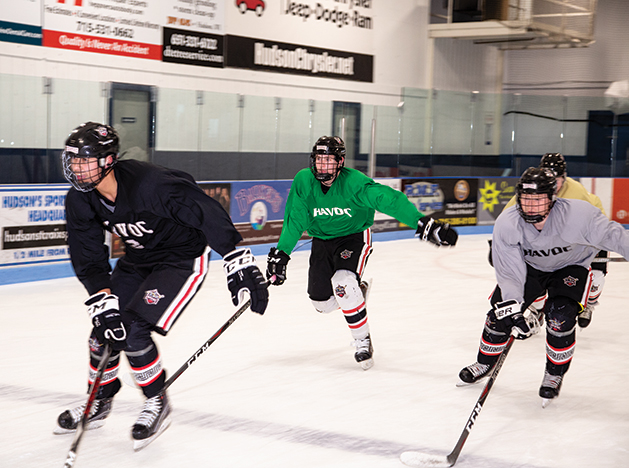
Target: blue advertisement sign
x,y
257,209
20,33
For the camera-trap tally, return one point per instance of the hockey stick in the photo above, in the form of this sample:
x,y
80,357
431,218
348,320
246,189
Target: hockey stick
x,y
608,259
205,346
80,429
418,459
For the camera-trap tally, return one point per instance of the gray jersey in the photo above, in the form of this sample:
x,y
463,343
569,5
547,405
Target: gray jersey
x,y
573,234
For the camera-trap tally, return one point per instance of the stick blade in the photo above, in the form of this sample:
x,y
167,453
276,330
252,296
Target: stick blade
x,y
419,459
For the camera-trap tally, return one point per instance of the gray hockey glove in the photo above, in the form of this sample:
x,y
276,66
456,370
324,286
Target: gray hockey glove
x,y
431,230
108,327
509,314
243,275
276,266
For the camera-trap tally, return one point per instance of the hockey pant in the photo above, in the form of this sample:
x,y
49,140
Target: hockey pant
x,y
336,266
152,297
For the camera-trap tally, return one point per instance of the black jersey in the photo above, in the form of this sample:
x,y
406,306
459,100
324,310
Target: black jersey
x,y
160,214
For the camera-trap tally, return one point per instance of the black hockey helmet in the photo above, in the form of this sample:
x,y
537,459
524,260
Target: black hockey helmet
x,y
327,145
536,181
556,163
89,140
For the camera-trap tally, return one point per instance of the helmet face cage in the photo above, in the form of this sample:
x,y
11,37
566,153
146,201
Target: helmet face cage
x,y
556,163
536,181
85,155
327,145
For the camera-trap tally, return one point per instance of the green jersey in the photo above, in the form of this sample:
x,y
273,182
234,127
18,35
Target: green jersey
x,y
347,208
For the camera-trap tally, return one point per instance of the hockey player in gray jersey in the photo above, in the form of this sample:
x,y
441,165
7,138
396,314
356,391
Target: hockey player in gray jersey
x,y
542,244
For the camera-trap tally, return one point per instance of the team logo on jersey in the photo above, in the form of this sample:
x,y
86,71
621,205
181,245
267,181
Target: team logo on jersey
x,y
152,297
340,291
570,281
345,254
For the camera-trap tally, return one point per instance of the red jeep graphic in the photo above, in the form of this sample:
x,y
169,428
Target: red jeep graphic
x,y
255,5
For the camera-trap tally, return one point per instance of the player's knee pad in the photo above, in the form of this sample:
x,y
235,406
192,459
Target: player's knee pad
x,y
561,316
598,281
347,290
325,307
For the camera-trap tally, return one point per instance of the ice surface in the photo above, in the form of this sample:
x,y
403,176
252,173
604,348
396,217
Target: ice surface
x,y
283,390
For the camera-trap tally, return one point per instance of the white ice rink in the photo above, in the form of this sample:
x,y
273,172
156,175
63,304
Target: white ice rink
x,y
283,391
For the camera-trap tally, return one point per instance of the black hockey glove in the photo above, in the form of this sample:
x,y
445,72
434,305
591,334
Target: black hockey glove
x,y
108,327
429,229
276,266
510,315
243,275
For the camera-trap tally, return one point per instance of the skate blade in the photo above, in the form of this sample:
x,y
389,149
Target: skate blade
x,y
460,383
418,459
546,402
140,444
93,425
366,364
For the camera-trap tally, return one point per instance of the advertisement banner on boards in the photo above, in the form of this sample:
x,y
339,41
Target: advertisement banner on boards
x,y
21,22
493,195
318,23
386,223
257,209
193,33
296,59
33,224
620,201
105,27
450,200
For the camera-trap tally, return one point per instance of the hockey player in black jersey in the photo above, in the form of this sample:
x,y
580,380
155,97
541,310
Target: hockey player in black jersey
x,y
168,226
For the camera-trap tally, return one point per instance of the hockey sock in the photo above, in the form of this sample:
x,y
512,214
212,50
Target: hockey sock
x,y
561,334
146,366
110,384
350,299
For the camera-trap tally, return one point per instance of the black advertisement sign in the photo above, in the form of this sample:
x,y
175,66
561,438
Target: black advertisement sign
x,y
449,200
193,48
22,237
282,57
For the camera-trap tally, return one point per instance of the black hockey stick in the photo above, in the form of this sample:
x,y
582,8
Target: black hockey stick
x,y
206,345
418,459
80,429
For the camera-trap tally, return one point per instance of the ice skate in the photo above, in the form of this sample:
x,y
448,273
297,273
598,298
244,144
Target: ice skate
x,y
68,421
364,352
473,373
550,388
153,420
585,317
365,287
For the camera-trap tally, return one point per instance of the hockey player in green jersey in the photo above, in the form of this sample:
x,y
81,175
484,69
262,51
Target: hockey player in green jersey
x,y
336,206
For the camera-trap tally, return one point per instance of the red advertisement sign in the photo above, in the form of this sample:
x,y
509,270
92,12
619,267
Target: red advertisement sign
x,y
620,201
101,45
